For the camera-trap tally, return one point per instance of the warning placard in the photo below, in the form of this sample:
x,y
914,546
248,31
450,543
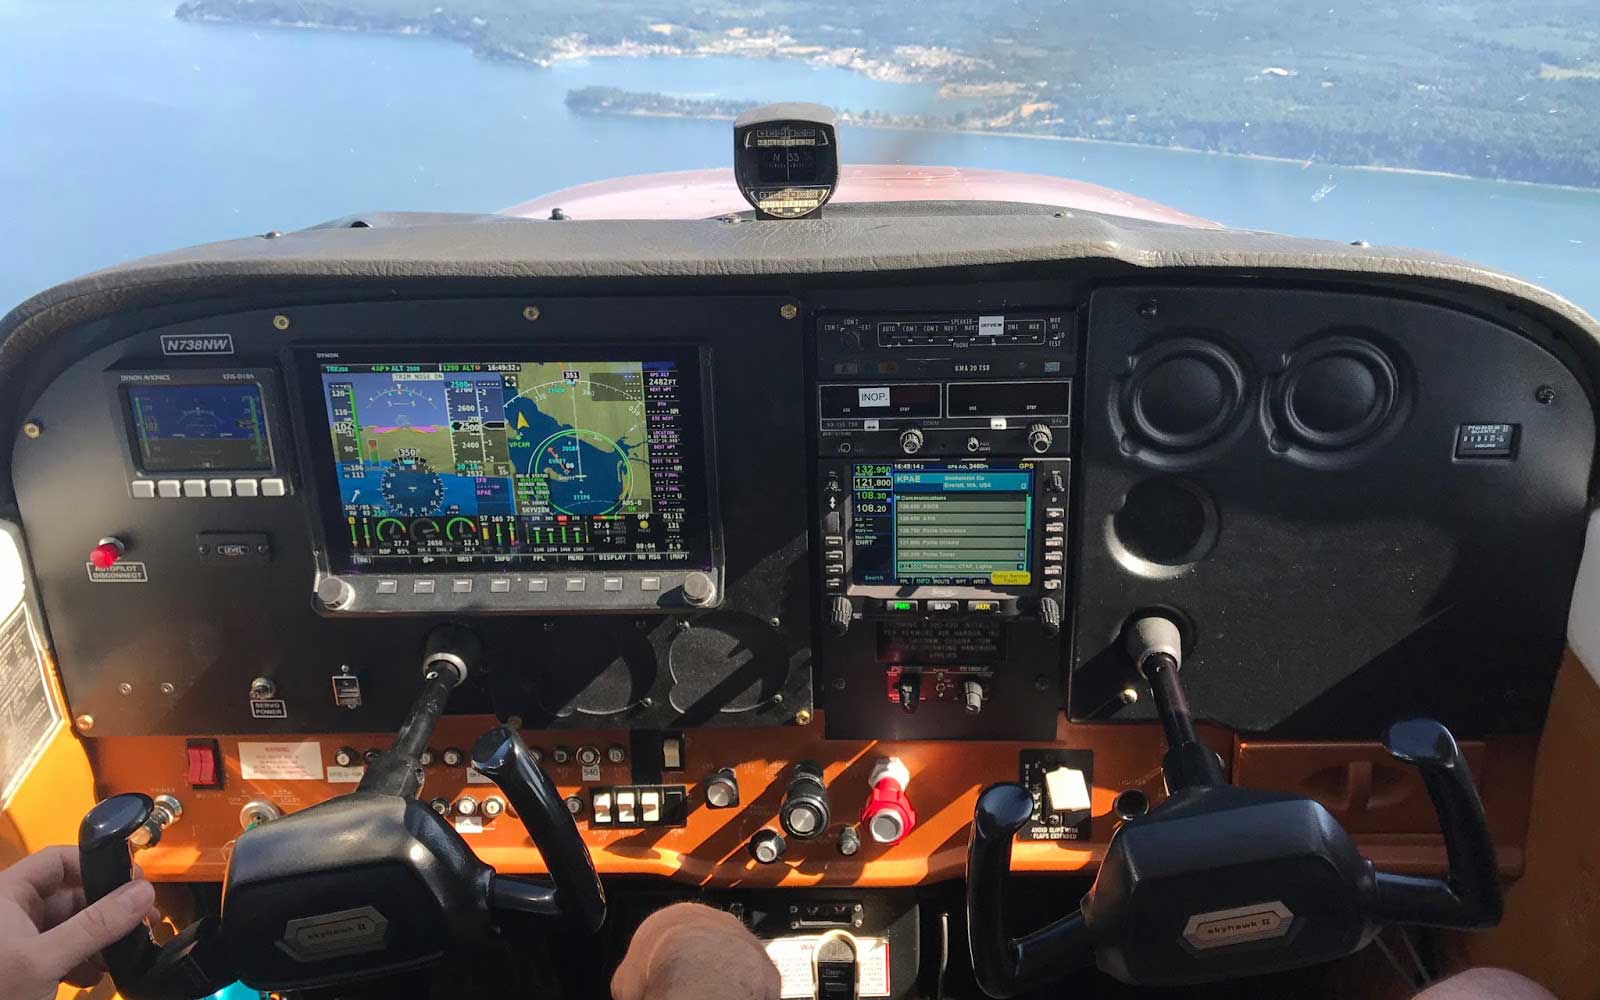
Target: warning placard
x,y
27,715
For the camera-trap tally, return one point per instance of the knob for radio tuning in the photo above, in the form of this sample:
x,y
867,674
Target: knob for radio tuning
x,y
699,589
1039,438
840,614
767,846
911,440
334,592
804,813
1050,616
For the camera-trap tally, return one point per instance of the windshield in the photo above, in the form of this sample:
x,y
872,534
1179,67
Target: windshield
x,y
132,126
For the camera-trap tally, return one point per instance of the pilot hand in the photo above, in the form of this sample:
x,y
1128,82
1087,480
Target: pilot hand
x,y
48,935
693,952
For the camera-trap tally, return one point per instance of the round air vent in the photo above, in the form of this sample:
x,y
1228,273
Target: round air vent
x,y
1180,396
1164,526
1334,394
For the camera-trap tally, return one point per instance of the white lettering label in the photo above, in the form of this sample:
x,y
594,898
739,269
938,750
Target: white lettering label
x,y
344,775
475,778
991,326
875,396
280,761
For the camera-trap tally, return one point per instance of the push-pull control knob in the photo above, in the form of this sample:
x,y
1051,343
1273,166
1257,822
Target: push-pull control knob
x,y
106,552
840,613
804,813
1040,437
888,815
911,440
767,846
722,789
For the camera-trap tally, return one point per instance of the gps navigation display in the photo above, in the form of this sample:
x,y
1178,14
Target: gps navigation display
x,y
924,523
566,459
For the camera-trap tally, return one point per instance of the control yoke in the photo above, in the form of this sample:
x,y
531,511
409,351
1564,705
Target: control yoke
x,y
1219,882
365,885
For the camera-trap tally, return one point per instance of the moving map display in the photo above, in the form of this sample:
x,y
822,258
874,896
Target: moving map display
x,y
548,460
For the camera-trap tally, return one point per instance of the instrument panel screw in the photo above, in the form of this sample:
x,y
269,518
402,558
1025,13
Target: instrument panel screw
x,y
167,687
280,322
1041,682
84,723
803,717
1545,395
1148,309
32,429
775,622
788,310
1128,695
838,683
647,702
530,313
124,688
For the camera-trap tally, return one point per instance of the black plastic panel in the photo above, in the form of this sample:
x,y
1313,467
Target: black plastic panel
x,y
1330,581
189,642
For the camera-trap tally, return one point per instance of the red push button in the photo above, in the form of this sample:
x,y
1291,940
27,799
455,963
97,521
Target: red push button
x,y
106,554
204,770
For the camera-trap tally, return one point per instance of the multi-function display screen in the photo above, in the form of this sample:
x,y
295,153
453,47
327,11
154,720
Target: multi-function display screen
x,y
927,523
199,427
576,458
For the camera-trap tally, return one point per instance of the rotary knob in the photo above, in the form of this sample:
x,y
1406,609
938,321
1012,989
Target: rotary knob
x,y
840,614
1040,438
911,440
334,592
699,589
767,846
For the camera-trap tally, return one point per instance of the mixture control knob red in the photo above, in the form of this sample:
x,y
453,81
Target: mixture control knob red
x,y
106,553
888,816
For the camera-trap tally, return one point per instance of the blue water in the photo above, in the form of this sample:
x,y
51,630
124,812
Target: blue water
x,y
124,132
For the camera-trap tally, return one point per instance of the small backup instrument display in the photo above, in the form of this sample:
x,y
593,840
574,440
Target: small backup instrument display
x,y
572,457
199,427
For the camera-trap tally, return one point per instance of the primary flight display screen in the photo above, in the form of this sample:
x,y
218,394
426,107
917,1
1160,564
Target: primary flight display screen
x,y
573,457
928,523
198,427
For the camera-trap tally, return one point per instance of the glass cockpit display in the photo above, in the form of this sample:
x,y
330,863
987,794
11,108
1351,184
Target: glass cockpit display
x,y
567,459
199,427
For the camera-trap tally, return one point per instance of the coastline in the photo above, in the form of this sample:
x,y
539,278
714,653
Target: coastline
x,y
872,69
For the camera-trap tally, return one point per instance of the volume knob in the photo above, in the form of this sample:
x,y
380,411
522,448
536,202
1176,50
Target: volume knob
x,y
1040,438
911,440
840,614
767,846
699,589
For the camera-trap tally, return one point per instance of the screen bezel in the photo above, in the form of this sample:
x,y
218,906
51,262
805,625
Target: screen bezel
x,y
335,554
